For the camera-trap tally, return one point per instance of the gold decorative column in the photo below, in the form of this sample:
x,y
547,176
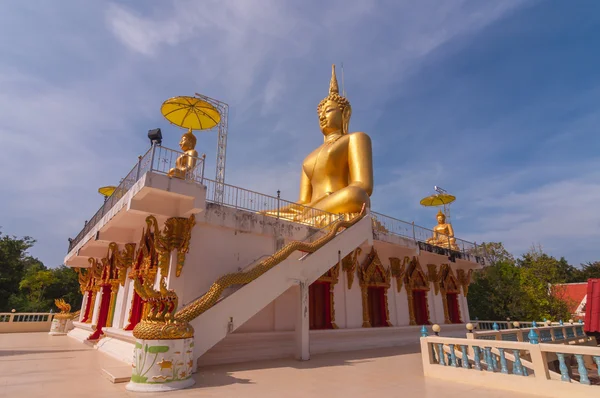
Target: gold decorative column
x,y
349,264
398,269
464,278
176,235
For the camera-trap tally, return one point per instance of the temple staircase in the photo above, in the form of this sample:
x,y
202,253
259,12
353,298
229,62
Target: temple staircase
x,y
240,303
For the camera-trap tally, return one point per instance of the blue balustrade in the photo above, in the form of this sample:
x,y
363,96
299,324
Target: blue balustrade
x,y
517,365
476,358
488,359
533,337
441,354
564,371
424,331
596,359
503,365
465,357
495,326
570,333
583,374
452,356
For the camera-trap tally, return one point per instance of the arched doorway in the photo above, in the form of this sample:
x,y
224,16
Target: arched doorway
x,y
450,289
321,300
417,289
374,281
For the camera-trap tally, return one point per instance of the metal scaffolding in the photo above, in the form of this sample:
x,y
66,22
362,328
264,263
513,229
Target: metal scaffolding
x,y
223,109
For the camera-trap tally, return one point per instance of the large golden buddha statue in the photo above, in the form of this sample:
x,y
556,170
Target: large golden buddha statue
x,y
443,234
337,177
186,161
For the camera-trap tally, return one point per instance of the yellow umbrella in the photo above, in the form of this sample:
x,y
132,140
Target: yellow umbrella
x,y
438,200
190,113
107,191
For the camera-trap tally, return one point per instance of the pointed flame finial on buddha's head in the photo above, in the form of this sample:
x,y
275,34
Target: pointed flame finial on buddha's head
x,y
334,95
333,84
441,214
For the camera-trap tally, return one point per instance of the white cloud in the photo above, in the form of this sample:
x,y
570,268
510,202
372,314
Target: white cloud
x,y
76,117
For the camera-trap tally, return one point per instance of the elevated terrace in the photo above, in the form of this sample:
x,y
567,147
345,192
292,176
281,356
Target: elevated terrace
x,y
147,189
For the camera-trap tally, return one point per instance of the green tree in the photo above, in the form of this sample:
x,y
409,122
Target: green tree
x,y
495,293
589,270
66,286
494,253
539,272
14,262
519,289
34,284
27,285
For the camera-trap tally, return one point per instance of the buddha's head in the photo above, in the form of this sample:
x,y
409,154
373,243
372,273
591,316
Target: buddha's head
x,y
441,218
188,141
334,110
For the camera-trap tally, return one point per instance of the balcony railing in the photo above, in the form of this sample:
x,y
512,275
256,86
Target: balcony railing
x,y
455,248
160,160
240,198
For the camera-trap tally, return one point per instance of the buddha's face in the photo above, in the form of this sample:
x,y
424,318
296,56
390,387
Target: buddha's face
x,y
185,144
331,118
441,219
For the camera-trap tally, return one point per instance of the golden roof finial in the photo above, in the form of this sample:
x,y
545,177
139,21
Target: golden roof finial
x,y
333,85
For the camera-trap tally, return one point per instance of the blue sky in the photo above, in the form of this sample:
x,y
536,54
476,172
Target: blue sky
x,y
498,102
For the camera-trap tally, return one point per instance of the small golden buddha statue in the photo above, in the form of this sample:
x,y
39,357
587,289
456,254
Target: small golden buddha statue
x,y
186,161
443,234
337,177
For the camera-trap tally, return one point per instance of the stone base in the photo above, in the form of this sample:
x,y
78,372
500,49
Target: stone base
x,y
157,387
162,365
58,327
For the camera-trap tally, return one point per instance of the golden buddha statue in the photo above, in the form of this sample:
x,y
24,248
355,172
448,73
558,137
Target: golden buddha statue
x,y
337,177
443,234
186,161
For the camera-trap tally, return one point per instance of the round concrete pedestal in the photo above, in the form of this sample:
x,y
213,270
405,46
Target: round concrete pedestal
x,y
162,365
58,327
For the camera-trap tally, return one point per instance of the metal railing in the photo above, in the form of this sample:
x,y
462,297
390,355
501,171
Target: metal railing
x,y
161,160
455,247
157,159
274,206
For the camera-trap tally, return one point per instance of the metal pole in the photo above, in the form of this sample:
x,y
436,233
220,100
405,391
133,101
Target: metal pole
x,y
278,201
203,163
414,234
137,174
152,157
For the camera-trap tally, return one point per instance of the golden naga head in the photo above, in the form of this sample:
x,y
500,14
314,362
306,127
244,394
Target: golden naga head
x,y
188,141
341,101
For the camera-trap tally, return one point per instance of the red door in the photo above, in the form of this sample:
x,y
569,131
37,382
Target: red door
x,y
420,307
453,311
103,315
376,302
319,301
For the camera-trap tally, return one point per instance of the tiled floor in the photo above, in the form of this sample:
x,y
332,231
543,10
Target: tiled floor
x,y
39,365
